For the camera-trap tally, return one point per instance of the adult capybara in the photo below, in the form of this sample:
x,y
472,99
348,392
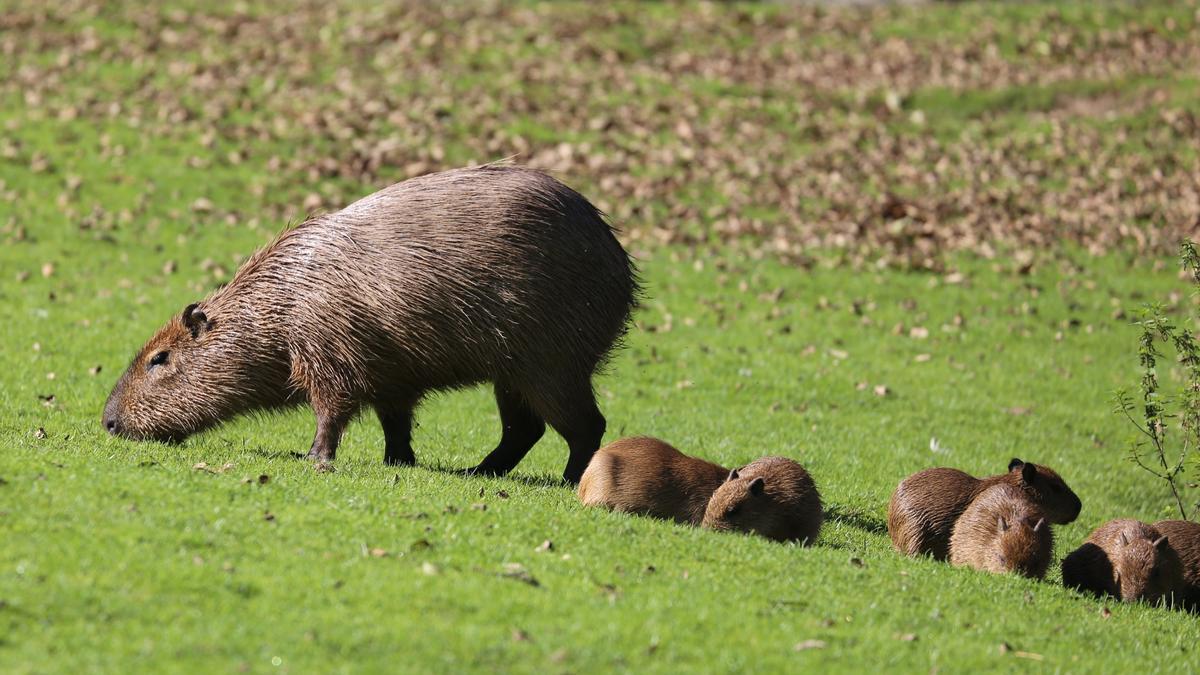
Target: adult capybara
x,y
494,274
773,497
647,476
1184,538
1126,559
1001,531
925,506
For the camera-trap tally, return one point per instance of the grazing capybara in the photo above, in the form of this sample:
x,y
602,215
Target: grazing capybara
x,y
1126,559
1184,537
925,506
773,497
1001,531
494,274
649,477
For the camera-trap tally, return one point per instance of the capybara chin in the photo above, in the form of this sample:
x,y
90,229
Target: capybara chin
x,y
647,476
1000,532
773,497
1184,539
495,274
925,506
1126,559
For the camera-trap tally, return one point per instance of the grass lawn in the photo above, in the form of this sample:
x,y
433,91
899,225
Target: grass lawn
x,y
770,333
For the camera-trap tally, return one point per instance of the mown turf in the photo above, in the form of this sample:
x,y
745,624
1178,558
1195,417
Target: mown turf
x,y
119,556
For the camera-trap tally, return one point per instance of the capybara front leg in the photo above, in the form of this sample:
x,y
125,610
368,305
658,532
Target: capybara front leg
x,y
522,429
397,436
329,434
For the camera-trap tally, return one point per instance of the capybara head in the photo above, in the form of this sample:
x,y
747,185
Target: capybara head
x,y
188,377
737,504
1019,547
773,497
1045,488
1144,566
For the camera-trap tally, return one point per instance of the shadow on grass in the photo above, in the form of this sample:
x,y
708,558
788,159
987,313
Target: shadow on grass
x,y
543,480
856,519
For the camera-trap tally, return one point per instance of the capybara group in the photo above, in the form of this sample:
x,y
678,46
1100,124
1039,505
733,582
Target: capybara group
x,y
647,476
773,497
1001,531
495,274
925,506
1184,538
1126,559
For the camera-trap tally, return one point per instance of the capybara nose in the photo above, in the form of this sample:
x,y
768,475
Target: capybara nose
x,y
110,423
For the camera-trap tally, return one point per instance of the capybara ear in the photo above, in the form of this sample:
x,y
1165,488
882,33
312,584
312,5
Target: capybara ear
x,y
757,485
1028,473
195,320
1002,523
733,475
1124,539
1161,542
1015,463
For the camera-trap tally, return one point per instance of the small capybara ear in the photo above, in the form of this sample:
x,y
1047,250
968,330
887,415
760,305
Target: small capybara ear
x,y
1124,539
195,320
757,485
1161,542
1028,473
733,475
1002,523
1015,463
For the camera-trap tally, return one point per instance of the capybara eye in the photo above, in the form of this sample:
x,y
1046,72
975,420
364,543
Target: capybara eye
x,y
158,359
733,510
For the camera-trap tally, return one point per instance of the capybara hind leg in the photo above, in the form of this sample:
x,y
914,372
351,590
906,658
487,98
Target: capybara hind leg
x,y
522,429
579,421
397,435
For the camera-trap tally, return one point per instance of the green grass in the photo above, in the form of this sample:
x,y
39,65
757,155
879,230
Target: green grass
x,y
122,554
118,556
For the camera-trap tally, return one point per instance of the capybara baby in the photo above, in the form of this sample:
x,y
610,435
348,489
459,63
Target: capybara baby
x,y
1001,531
1126,559
1184,538
925,506
495,274
773,497
649,477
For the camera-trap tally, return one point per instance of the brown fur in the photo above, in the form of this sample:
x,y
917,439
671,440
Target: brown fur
x,y
1126,559
925,506
1000,531
494,274
1184,538
649,477
773,496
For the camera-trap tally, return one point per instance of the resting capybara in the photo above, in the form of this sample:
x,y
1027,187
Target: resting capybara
x,y
1184,538
647,476
494,274
1126,559
773,496
1001,531
925,506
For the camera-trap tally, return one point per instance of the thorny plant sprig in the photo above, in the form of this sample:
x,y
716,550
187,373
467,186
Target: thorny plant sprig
x,y
1154,453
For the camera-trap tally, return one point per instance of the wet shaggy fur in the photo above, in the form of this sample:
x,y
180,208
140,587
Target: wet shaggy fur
x,y
1126,559
773,497
647,476
1000,532
494,274
1184,538
925,506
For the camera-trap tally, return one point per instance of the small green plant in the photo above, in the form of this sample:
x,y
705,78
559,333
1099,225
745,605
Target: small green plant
x,y
1162,453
